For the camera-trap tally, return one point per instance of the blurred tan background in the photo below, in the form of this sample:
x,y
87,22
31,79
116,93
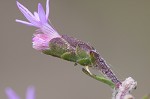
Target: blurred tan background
x,y
118,29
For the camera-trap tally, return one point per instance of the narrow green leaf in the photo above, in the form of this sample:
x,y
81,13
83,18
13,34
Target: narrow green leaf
x,y
99,78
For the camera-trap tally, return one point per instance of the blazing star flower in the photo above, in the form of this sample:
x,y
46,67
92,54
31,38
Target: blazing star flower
x,y
45,31
30,94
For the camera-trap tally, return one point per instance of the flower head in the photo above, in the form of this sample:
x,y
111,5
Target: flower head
x,y
30,94
40,20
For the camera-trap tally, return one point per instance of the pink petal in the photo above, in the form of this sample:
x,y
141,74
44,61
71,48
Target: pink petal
x,y
41,41
47,9
24,22
41,13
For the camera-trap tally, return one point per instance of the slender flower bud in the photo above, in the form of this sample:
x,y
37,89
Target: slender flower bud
x,y
50,42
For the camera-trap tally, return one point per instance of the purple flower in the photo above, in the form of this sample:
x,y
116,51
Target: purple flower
x,y
30,94
40,20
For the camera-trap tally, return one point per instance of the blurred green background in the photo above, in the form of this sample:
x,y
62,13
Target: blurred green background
x,y
118,29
